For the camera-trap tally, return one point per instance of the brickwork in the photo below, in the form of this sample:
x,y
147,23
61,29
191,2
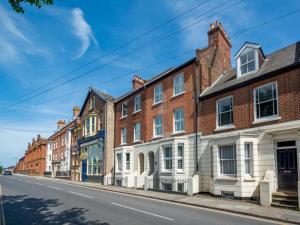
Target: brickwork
x,y
243,103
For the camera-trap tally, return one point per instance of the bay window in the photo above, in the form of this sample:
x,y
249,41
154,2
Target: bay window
x,y
168,158
248,156
227,157
266,101
119,162
90,125
127,161
225,111
180,153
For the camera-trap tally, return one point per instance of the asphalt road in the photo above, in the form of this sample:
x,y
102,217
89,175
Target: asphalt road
x,y
31,201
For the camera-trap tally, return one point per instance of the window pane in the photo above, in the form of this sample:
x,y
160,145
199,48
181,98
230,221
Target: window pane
x,y
225,118
243,59
266,109
250,55
225,104
265,93
251,66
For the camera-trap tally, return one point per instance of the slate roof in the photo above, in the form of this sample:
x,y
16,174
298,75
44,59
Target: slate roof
x,y
275,61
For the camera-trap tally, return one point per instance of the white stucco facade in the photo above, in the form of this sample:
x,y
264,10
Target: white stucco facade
x,y
264,142
147,167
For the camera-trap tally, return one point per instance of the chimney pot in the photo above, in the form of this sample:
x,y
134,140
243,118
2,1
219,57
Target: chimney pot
x,y
60,124
76,111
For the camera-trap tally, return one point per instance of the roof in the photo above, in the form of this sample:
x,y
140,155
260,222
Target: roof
x,y
157,78
275,62
100,94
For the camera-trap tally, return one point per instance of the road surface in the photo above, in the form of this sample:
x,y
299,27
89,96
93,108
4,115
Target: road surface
x,y
31,201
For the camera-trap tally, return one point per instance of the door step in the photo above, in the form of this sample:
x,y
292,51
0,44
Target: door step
x,y
285,199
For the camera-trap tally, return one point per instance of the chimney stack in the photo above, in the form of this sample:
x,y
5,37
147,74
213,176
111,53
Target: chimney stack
x,y
137,82
76,111
60,124
217,35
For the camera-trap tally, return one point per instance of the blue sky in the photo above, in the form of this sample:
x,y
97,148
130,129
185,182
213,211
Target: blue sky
x,y
41,45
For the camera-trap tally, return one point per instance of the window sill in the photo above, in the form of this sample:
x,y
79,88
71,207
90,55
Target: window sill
x,y
249,179
268,119
174,96
135,112
157,103
180,172
137,141
123,144
157,137
123,117
178,132
166,172
227,178
225,127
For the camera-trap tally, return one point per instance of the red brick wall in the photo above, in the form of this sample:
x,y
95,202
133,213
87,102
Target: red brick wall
x,y
288,85
187,101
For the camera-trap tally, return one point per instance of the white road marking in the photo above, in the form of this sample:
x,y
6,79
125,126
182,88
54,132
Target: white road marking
x,y
40,184
75,193
138,210
56,188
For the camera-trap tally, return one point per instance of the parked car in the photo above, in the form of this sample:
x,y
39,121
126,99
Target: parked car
x,y
7,173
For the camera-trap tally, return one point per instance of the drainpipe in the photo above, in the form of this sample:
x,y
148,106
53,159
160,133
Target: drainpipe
x,y
196,88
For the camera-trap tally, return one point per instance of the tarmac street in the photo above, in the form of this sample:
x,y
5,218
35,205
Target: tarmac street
x,y
30,201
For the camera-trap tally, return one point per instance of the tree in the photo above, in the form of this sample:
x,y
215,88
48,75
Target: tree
x,y
17,4
1,168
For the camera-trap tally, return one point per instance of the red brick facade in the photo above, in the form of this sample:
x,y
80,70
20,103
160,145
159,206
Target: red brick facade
x,y
166,108
288,85
34,160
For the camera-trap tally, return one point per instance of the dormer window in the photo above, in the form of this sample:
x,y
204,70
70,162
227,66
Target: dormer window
x,y
247,60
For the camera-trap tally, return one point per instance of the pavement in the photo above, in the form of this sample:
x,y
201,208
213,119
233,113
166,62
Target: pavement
x,y
39,200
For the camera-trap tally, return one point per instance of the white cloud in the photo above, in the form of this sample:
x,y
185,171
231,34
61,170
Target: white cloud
x,y
83,31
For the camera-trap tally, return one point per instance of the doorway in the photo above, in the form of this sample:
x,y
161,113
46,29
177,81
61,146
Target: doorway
x,y
287,165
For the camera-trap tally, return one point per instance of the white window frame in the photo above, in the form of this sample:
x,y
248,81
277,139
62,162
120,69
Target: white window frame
x,y
180,157
168,159
136,103
157,126
122,109
89,126
218,113
127,161
248,160
174,84
123,136
178,121
135,138
158,94
226,160
266,118
239,65
119,157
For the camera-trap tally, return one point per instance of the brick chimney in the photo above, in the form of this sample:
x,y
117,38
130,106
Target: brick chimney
x,y
137,82
215,60
60,124
76,111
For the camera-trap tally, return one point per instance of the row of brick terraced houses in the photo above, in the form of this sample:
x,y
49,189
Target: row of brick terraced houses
x,y
202,126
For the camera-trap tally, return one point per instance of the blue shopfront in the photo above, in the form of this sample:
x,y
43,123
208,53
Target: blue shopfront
x,y
91,157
